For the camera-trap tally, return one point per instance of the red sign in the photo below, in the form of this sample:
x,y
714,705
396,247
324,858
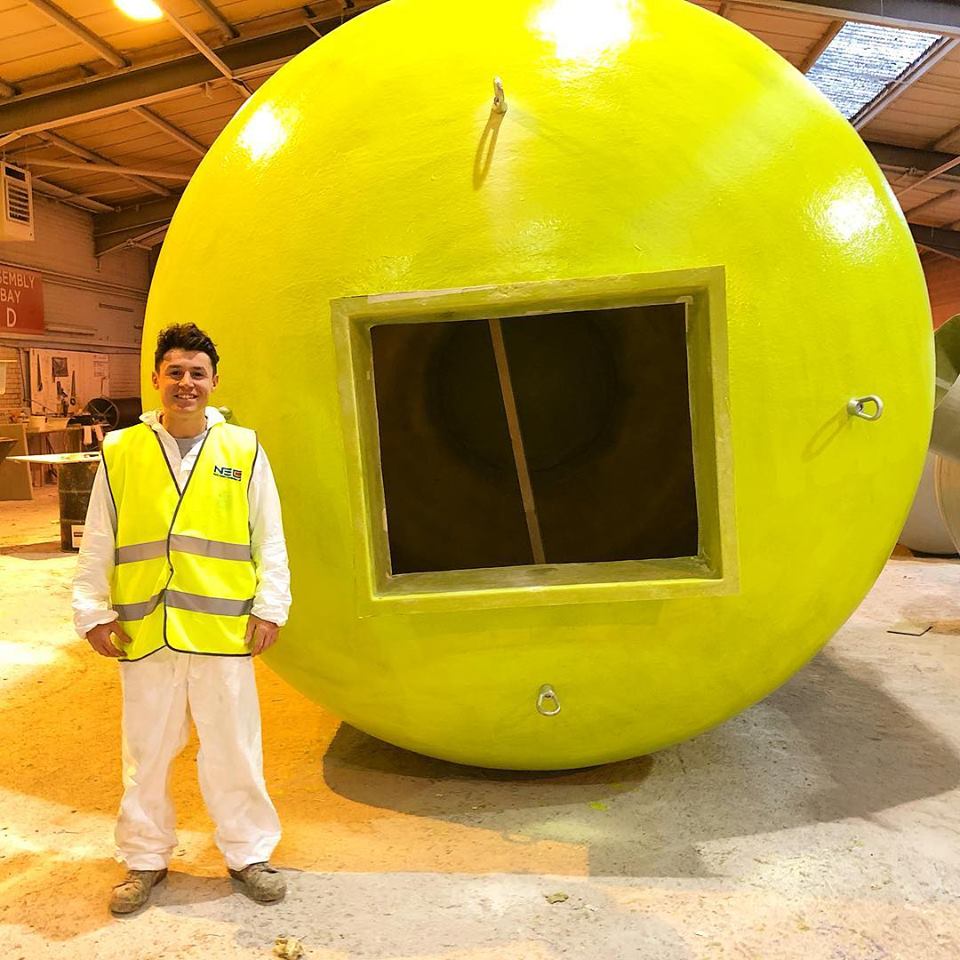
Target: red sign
x,y
21,301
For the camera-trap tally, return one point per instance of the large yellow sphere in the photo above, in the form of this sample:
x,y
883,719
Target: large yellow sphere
x,y
650,153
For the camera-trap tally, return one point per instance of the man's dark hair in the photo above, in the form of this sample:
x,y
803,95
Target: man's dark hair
x,y
185,336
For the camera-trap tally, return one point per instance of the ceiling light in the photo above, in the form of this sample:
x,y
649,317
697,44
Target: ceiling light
x,y
139,9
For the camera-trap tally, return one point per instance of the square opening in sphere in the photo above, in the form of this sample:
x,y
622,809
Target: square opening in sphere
x,y
519,440
564,439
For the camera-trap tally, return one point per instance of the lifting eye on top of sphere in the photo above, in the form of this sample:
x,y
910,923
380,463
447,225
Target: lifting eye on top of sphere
x,y
569,436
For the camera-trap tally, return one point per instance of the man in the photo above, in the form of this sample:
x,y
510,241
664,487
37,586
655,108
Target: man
x,y
182,576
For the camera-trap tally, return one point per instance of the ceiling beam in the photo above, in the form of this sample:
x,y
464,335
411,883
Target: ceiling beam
x,y
935,16
130,225
943,241
80,32
155,234
169,129
896,88
936,254
948,138
8,89
135,218
923,165
56,140
141,85
68,196
944,167
105,191
104,168
928,205
919,162
197,41
227,30
826,38
126,238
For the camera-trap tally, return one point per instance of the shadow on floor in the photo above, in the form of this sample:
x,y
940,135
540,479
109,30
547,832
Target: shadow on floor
x,y
42,550
828,746
65,899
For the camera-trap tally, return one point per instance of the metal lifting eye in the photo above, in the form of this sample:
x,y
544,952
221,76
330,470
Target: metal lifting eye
x,y
499,100
547,702
869,407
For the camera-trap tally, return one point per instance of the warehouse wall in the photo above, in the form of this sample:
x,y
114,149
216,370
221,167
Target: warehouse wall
x,y
943,284
11,400
88,305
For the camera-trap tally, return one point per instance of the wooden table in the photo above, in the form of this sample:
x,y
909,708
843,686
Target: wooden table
x,y
40,441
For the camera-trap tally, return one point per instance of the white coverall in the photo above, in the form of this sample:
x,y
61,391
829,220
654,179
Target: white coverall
x,y
163,690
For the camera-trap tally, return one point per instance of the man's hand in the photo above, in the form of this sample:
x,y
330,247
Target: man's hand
x,y
261,635
99,639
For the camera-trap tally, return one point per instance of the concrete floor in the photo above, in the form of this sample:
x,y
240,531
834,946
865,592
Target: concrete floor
x,y
822,823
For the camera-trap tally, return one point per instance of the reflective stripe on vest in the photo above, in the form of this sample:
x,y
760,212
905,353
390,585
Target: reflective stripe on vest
x,y
184,573
183,601
183,544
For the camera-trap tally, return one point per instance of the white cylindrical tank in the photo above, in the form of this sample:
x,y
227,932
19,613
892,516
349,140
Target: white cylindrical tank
x,y
925,530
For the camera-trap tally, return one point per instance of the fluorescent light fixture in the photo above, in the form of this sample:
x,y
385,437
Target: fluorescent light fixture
x,y
139,9
863,60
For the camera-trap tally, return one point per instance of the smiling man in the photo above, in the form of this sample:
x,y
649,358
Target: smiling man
x,y
182,576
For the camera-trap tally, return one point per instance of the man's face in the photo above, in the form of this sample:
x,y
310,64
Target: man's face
x,y
185,381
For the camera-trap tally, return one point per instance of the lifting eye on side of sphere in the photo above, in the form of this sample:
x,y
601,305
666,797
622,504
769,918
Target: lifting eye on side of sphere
x,y
548,703
869,407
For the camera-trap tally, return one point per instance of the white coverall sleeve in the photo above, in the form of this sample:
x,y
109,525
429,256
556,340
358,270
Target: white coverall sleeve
x,y
269,549
91,583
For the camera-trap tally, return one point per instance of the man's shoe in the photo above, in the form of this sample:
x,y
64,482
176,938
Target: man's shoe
x,y
262,882
134,890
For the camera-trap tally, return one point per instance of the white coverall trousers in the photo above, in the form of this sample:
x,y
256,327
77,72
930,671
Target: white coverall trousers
x,y
160,693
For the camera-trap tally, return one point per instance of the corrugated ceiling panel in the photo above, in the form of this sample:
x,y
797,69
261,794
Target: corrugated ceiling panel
x,y
17,68
862,60
124,35
21,21
242,10
168,154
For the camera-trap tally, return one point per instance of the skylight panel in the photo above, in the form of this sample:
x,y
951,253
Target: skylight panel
x,y
862,60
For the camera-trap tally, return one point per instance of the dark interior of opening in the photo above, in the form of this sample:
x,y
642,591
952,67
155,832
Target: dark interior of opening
x,y
604,418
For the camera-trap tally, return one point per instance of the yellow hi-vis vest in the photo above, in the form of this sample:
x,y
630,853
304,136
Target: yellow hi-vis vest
x,y
184,575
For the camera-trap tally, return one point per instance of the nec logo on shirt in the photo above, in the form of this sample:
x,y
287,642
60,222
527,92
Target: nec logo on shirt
x,y
228,472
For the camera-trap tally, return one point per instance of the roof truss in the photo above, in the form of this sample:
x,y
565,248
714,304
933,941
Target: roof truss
x,y
936,16
135,85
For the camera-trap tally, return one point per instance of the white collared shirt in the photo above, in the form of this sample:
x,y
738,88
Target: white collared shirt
x,y
91,584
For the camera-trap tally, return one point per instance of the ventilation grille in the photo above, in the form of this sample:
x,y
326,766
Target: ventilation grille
x,y
16,217
18,202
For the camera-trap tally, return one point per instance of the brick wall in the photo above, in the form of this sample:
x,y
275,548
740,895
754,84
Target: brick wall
x,y
11,401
